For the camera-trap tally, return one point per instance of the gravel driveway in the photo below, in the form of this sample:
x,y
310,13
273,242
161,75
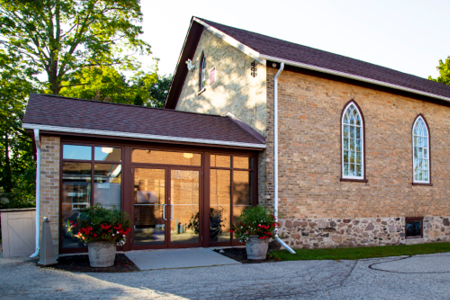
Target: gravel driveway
x,y
417,277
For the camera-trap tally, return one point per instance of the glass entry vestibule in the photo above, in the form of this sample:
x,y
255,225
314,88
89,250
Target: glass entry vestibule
x,y
176,198
166,209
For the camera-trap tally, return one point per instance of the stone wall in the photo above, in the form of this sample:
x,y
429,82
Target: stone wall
x,y
311,192
235,90
50,165
338,232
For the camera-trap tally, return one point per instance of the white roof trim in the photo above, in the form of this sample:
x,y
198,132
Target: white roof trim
x,y
355,77
140,136
233,42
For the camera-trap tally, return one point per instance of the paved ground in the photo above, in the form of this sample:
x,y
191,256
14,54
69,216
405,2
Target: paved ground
x,y
178,258
417,277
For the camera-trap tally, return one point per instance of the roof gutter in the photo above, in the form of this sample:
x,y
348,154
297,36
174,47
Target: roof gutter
x,y
354,77
141,136
37,140
275,149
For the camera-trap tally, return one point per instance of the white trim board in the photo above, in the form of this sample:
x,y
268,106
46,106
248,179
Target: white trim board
x,y
141,136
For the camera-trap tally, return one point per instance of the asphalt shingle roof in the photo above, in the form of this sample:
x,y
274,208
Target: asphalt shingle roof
x,y
285,50
95,115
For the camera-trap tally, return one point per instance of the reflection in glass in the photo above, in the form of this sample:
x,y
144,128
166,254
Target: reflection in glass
x,y
149,201
184,211
77,152
220,200
76,186
413,228
166,157
108,154
220,161
242,192
242,162
107,184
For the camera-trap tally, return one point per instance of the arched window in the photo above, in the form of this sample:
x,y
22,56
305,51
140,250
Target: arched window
x,y
352,142
421,151
202,73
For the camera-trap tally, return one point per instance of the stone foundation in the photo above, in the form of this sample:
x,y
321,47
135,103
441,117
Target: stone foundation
x,y
358,232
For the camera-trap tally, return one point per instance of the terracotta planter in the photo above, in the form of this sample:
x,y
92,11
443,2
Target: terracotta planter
x,y
101,254
257,248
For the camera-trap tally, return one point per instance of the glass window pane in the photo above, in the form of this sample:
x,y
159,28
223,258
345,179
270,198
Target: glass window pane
x,y
358,170
77,152
346,169
242,192
220,161
108,153
413,228
185,198
358,145
242,162
166,157
242,187
345,144
358,132
149,201
108,184
352,170
76,186
352,132
220,205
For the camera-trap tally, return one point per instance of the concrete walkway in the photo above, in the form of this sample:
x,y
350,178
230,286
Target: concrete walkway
x,y
178,258
417,277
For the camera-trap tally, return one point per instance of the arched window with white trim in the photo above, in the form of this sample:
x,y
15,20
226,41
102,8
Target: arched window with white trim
x,y
421,151
352,142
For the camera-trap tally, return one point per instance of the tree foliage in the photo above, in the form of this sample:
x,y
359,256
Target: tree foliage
x,y
17,168
60,37
444,72
109,85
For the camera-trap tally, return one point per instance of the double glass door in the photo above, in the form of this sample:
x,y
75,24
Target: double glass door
x,y
166,209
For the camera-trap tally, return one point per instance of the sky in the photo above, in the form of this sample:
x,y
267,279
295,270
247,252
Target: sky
x,y
408,36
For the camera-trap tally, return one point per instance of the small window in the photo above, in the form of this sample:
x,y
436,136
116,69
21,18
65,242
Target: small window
x,y
202,75
421,151
413,227
77,152
352,143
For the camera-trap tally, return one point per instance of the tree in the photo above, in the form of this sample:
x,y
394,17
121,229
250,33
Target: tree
x,y
17,168
444,72
108,84
58,37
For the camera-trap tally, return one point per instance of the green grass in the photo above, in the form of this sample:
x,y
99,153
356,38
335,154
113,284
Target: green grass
x,y
360,253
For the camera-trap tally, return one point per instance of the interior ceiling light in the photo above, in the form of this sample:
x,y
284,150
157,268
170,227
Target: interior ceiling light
x,y
188,155
107,150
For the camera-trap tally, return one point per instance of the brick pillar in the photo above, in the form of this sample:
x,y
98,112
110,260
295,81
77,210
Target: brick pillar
x,y
50,165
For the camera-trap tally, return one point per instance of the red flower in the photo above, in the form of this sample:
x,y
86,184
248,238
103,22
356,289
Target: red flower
x,y
231,230
105,227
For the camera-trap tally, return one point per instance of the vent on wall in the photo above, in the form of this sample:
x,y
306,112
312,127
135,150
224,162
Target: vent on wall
x,y
212,76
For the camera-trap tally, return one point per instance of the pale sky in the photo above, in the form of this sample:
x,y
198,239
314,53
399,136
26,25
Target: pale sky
x,y
409,36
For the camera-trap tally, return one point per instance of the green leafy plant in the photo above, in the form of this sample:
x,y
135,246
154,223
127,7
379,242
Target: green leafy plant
x,y
97,223
256,220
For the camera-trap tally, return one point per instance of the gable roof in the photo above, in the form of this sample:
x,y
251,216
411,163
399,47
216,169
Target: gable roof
x,y
265,48
60,114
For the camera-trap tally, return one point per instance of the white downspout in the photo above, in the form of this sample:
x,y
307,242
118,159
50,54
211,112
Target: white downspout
x,y
38,188
275,146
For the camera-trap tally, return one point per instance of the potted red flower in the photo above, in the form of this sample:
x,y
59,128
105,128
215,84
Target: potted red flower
x,y
101,229
255,226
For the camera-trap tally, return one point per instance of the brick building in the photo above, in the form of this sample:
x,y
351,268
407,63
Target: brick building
x,y
362,156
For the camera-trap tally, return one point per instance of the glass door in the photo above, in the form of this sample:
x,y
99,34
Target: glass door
x,y
149,210
185,216
166,209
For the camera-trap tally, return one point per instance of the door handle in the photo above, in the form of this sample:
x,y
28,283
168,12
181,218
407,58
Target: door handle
x,y
171,212
164,212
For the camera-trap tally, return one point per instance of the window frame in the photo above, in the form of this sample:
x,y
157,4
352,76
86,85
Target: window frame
x,y
421,182
202,73
92,162
363,177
